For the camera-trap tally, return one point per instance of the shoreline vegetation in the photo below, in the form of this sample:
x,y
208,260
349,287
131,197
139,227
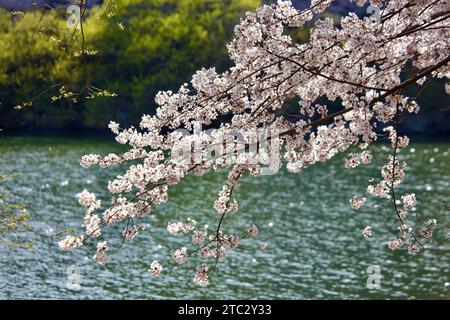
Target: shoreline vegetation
x,y
134,50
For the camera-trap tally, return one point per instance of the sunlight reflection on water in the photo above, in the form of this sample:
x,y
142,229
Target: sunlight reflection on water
x,y
315,245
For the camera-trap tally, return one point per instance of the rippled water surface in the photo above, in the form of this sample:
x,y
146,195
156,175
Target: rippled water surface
x,y
315,250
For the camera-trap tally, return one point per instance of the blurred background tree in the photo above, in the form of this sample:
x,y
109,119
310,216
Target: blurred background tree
x,y
142,47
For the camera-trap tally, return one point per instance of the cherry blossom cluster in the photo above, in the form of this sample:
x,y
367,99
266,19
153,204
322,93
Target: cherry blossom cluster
x,y
355,63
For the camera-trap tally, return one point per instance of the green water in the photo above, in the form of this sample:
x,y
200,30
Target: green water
x,y
315,245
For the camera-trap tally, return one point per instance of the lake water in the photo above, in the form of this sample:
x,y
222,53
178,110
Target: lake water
x,y
315,247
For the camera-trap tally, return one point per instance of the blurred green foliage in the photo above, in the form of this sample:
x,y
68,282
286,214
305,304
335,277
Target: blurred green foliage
x,y
161,44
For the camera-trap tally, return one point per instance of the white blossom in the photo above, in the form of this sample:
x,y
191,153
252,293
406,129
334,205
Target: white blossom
x,y
173,228
130,232
356,202
92,224
404,230
353,161
409,201
367,232
71,242
366,157
201,276
426,233
100,256
395,244
87,199
155,269
180,255
253,231
199,236
413,248
89,160
114,126
432,223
